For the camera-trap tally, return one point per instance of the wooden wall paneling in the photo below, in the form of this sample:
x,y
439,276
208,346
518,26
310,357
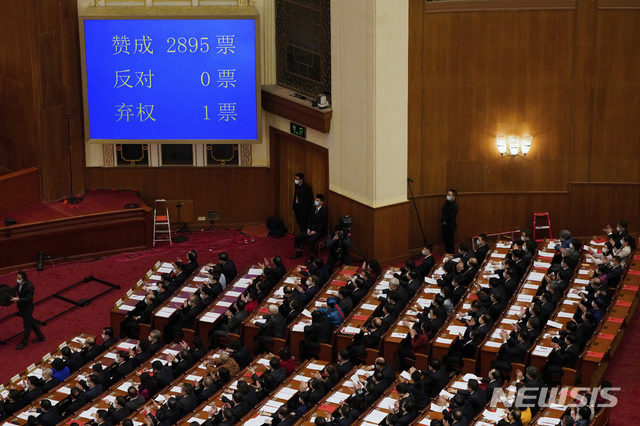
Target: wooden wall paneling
x,y
72,81
391,233
582,97
594,205
616,130
243,195
415,111
362,230
18,149
20,189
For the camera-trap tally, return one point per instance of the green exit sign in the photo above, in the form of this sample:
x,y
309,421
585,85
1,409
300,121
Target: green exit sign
x,y
298,130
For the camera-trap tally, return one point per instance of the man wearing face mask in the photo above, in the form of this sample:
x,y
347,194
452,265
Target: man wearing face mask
x,y
302,201
483,248
314,231
619,233
448,221
24,298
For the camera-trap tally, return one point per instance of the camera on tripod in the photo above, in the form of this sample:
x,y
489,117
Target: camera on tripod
x,y
8,222
345,222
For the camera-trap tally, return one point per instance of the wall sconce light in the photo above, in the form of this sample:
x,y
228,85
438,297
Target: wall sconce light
x,y
514,144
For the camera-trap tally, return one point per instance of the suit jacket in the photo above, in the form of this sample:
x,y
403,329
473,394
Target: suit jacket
x,y
240,410
229,271
89,354
320,331
566,357
413,287
236,321
92,393
481,253
467,276
51,418
164,376
344,368
25,297
116,416
477,399
74,362
274,326
191,266
206,393
179,279
387,322
108,343
74,406
358,294
187,404
32,395
155,347
123,370
425,266
494,384
47,386
318,221
135,403
141,310
437,380
449,213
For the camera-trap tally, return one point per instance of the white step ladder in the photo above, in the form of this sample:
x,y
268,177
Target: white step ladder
x,y
161,223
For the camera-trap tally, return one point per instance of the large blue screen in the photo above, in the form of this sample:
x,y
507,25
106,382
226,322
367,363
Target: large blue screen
x,y
171,79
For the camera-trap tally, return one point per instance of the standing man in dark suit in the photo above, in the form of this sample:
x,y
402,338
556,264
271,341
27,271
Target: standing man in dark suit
x,y
24,298
448,221
315,230
302,201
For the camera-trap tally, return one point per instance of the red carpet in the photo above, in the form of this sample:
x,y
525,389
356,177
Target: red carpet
x,y
125,270
624,372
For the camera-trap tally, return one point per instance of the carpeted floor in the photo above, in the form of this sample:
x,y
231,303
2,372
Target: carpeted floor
x,y
126,269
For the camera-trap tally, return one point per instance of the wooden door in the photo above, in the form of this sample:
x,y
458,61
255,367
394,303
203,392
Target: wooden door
x,y
290,155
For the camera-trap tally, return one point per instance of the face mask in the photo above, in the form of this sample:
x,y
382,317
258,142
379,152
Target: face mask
x,y
522,238
448,197
317,203
571,246
104,337
149,337
524,248
478,242
297,182
618,229
19,281
424,252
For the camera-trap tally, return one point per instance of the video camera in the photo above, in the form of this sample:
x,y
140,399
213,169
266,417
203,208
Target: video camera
x,y
346,222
